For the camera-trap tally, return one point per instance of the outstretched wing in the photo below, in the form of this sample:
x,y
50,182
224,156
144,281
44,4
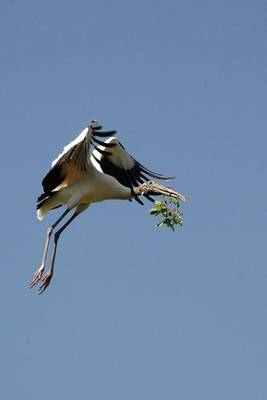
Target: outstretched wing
x,y
74,159
111,158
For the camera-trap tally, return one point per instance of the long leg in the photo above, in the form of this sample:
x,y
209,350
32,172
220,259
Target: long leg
x,y
46,280
38,274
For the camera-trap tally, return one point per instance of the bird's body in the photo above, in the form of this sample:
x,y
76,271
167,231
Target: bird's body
x,y
90,187
88,171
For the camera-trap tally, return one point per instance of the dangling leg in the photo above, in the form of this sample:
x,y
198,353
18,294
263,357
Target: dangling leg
x,y
47,278
38,274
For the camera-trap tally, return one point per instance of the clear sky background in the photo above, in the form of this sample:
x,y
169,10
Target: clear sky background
x,y
136,312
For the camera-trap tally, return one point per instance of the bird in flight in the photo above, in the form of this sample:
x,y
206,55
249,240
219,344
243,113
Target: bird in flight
x,y
87,171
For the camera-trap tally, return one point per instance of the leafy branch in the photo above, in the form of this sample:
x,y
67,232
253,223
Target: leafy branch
x,y
168,212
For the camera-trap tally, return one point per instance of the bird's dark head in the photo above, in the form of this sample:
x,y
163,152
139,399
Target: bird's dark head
x,y
94,124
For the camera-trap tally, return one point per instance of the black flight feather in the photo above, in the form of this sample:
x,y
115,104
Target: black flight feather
x,y
53,179
103,143
104,134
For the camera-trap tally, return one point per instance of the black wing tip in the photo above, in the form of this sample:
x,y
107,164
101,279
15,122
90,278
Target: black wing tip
x,y
166,178
153,174
104,133
104,144
103,152
139,201
42,199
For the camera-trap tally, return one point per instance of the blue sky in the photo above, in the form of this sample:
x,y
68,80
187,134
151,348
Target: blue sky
x,y
136,312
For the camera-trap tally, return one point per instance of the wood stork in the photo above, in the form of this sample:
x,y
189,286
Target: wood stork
x,y
87,171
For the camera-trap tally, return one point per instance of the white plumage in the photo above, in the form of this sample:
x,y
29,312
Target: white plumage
x,y
87,171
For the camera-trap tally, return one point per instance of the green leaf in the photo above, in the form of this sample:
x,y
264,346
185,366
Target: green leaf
x,y
168,211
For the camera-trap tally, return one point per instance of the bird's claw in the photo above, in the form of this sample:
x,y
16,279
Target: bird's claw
x,y
37,276
46,280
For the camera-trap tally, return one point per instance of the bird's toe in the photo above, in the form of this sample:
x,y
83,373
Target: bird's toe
x,y
46,281
37,276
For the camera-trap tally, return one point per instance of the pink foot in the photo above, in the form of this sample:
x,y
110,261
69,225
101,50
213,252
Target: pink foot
x,y
37,276
46,280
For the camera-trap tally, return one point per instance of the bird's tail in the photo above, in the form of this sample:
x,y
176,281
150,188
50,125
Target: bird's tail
x,y
154,189
45,203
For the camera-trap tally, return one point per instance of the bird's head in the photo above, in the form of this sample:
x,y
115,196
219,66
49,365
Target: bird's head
x,y
94,124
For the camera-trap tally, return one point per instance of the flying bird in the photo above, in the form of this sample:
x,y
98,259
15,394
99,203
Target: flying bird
x,y
87,171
